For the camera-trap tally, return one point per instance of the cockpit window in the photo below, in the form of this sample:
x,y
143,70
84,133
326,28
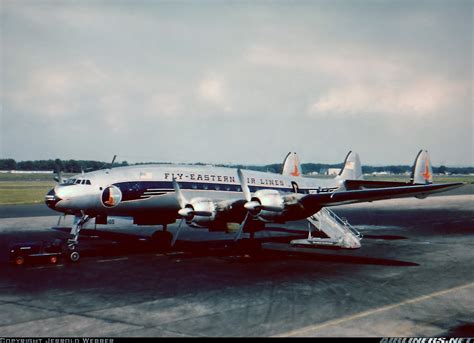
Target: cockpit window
x,y
83,182
69,181
78,182
88,182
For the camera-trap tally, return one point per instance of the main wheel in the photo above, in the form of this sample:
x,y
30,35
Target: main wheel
x,y
74,256
161,240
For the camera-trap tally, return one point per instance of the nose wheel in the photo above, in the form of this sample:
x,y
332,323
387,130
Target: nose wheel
x,y
74,256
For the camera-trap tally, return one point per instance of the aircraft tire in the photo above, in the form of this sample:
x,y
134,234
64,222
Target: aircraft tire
x,y
74,256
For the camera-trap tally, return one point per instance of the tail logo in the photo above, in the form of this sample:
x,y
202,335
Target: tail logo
x,y
426,174
111,196
295,171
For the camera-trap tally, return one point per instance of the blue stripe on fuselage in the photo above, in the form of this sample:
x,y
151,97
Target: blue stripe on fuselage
x,y
134,190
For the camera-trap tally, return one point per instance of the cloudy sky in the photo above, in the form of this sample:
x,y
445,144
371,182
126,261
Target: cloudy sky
x,y
237,81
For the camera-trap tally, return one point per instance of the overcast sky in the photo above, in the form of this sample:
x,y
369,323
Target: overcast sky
x,y
240,82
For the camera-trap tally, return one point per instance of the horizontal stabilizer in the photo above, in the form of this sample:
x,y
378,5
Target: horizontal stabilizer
x,y
316,201
351,185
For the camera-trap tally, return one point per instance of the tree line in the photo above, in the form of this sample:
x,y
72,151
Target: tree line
x,y
67,166
77,166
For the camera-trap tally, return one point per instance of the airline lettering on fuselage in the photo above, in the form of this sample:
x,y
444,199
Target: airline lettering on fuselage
x,y
221,178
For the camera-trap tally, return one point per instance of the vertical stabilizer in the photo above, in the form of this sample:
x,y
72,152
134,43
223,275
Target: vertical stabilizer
x,y
422,173
352,169
291,165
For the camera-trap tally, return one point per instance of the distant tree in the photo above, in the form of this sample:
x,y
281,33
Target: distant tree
x,y
442,170
8,164
58,165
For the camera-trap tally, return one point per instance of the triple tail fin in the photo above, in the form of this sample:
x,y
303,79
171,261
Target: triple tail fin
x,y
422,173
291,165
352,169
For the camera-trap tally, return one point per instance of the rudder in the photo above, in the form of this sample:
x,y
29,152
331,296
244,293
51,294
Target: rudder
x,y
352,169
291,165
422,173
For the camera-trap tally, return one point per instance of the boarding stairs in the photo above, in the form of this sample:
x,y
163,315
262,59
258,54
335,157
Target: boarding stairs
x,y
338,231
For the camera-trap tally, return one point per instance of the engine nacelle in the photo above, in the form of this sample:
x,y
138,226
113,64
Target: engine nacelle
x,y
272,205
203,212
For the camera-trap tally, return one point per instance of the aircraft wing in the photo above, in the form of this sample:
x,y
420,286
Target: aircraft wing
x,y
317,201
352,185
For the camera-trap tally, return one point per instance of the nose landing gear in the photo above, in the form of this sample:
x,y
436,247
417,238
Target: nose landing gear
x,y
73,242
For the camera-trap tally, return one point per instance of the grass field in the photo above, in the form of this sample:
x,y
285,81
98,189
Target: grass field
x,y
31,188
24,192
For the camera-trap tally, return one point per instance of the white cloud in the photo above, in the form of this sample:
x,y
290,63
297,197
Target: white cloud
x,y
423,97
57,91
211,89
165,104
360,80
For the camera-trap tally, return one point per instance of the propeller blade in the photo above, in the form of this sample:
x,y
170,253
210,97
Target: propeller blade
x,y
203,213
241,228
58,178
243,185
179,195
177,232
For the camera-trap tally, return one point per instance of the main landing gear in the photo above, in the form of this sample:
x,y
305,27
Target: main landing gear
x,y
73,242
161,240
248,245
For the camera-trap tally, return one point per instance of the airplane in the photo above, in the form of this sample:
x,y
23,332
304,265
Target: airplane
x,y
218,198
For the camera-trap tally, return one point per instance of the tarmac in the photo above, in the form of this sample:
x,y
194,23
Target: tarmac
x,y
413,276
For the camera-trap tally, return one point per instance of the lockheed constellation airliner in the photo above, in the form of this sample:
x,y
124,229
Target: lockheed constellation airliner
x,y
215,198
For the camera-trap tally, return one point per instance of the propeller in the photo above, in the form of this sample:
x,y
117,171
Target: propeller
x,y
175,238
186,211
250,206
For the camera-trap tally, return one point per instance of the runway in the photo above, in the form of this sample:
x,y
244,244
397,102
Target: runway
x,y
411,277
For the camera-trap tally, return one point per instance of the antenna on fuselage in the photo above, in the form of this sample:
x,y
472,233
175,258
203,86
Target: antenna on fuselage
x,y
113,160
104,166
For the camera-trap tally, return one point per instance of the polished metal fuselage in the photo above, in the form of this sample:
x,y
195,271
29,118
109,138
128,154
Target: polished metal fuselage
x,y
147,189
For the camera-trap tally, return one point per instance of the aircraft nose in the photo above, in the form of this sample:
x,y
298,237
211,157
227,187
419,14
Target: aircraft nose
x,y
51,199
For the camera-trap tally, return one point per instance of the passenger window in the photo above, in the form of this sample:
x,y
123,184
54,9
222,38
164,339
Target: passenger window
x,y
194,186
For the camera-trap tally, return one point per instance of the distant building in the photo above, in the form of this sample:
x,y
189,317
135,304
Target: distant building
x,y
333,171
381,173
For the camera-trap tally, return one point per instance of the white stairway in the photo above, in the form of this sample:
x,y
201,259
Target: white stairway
x,y
340,233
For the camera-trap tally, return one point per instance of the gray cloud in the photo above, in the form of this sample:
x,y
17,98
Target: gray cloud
x,y
237,82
